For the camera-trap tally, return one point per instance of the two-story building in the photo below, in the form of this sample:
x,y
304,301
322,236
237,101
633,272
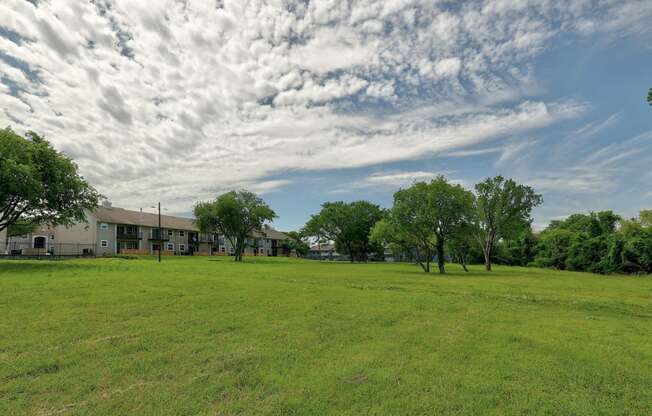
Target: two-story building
x,y
112,230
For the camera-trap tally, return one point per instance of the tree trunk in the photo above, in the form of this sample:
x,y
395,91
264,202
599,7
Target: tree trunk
x,y
463,264
487,256
440,255
238,251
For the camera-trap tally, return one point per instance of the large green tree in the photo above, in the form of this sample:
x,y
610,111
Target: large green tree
x,y
39,184
348,225
401,232
235,215
502,211
424,217
450,208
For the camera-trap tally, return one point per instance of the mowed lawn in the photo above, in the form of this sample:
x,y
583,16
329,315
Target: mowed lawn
x,y
294,337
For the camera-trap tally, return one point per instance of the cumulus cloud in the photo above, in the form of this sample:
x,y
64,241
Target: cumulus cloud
x,y
179,100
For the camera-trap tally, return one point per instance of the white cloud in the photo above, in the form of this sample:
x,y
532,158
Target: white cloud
x,y
180,100
386,180
448,67
599,171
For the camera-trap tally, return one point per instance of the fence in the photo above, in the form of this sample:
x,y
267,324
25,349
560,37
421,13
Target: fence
x,y
22,250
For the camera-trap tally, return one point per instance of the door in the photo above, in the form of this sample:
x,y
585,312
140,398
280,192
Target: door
x,y
39,242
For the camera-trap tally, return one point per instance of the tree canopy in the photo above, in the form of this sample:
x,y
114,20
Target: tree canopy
x,y
348,225
502,210
599,242
423,218
296,243
235,215
39,184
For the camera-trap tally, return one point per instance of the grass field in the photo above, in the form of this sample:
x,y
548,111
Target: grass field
x,y
289,337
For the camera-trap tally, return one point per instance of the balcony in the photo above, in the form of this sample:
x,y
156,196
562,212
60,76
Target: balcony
x,y
162,236
201,238
129,236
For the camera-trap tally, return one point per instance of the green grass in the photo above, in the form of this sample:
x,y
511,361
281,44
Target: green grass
x,y
289,337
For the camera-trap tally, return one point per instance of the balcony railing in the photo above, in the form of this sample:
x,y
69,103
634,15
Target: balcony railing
x,y
129,236
201,238
155,235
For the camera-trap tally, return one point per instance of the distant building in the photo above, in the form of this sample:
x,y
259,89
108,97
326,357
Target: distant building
x,y
323,252
112,230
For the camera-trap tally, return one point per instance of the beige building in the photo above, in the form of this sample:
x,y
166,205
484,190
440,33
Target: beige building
x,y
111,230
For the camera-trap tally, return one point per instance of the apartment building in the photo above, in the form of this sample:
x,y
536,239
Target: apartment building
x,y
112,230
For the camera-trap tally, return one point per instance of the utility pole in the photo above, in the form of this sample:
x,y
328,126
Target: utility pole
x,y
160,233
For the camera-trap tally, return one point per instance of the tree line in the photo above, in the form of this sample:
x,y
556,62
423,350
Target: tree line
x,y
428,221
443,222
435,220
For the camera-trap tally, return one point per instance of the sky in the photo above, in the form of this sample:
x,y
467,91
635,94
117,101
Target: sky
x,y
311,101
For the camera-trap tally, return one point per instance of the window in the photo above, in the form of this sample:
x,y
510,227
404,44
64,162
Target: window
x,y
104,243
261,251
223,250
170,233
128,245
170,247
155,247
182,247
182,233
104,226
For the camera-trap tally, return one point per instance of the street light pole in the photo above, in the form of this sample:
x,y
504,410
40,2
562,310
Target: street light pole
x,y
160,233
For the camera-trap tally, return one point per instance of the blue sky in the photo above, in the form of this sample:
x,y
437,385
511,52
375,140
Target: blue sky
x,y
306,102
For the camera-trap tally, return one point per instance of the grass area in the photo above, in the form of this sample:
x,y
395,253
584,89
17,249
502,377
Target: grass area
x,y
289,337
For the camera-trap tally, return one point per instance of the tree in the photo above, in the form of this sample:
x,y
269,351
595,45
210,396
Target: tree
x,y
39,184
649,96
423,218
502,211
645,218
517,251
235,215
593,224
348,225
637,252
587,253
553,247
460,246
297,243
400,233
450,208
586,242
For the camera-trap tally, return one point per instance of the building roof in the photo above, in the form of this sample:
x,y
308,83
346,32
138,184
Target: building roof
x,y
125,216
116,215
323,247
271,234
